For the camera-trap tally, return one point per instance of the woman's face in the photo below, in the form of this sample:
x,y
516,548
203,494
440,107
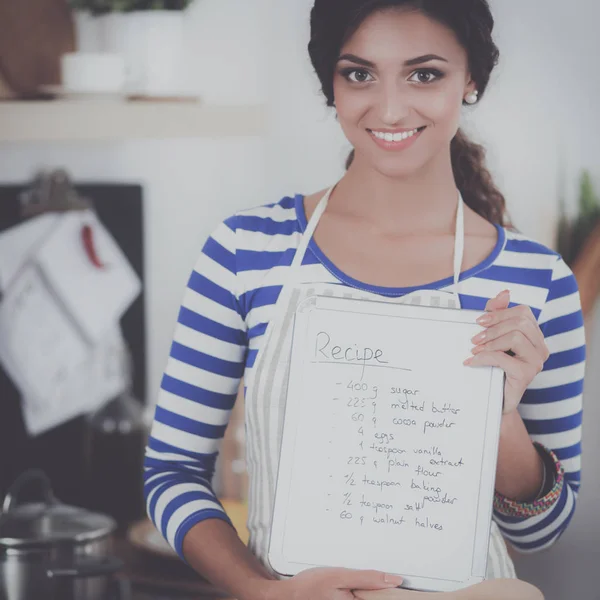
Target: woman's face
x,y
386,83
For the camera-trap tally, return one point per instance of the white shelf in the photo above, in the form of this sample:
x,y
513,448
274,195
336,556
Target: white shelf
x,y
89,120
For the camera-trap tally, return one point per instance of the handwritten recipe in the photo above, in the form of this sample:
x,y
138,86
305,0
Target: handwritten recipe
x,y
388,434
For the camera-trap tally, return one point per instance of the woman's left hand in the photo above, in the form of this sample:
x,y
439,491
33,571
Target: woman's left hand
x,y
513,342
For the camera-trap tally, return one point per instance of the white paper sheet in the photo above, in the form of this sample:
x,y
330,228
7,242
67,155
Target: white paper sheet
x,y
41,350
18,244
389,444
95,297
110,373
58,373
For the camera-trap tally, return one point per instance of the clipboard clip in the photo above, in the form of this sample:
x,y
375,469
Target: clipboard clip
x,y
51,192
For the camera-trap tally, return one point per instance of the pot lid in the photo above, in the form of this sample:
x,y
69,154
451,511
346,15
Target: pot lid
x,y
49,521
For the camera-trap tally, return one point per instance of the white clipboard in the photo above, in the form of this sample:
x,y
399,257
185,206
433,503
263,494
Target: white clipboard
x,y
430,432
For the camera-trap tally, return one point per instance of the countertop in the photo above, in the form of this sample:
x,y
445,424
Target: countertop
x,y
150,577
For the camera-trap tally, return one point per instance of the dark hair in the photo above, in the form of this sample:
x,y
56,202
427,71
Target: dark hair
x,y
333,22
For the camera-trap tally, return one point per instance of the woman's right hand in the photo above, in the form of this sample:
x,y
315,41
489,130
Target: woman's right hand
x,y
330,584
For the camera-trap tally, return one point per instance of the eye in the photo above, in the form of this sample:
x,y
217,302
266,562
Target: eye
x,y
356,75
426,76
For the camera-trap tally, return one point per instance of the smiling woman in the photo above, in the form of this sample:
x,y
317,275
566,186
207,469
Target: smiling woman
x,y
416,218
357,75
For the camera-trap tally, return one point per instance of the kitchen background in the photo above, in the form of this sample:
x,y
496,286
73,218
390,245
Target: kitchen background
x,y
240,122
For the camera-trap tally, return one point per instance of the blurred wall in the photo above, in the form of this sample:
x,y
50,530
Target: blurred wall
x,y
543,109
190,185
538,119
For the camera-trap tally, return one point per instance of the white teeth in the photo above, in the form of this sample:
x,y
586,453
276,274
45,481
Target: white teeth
x,y
394,137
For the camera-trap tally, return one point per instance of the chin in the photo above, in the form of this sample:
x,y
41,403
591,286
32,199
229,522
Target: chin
x,y
397,167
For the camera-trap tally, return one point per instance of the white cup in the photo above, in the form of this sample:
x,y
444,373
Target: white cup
x,y
91,72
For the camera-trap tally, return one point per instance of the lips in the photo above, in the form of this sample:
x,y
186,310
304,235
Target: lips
x,y
394,135
396,139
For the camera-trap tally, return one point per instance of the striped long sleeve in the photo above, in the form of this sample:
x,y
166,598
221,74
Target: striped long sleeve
x,y
228,303
197,394
551,409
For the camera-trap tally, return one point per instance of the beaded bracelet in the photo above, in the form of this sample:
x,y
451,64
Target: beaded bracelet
x,y
512,508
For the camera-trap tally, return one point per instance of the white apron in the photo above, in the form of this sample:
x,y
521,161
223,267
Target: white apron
x,y
266,388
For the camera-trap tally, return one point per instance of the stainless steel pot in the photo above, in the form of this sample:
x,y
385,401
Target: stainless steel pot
x,y
49,550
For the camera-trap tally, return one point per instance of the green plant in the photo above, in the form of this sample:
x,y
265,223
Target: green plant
x,y
572,235
99,7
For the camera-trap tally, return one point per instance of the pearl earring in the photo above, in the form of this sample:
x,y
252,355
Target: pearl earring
x,y
472,97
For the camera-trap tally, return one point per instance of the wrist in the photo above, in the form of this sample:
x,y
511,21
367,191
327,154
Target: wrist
x,y
263,589
519,471
509,421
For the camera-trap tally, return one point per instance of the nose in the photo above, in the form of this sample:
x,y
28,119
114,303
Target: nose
x,y
394,106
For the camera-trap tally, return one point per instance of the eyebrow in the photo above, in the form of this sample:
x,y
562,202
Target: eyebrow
x,y
419,60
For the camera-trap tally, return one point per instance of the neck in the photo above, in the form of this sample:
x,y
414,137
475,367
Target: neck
x,y
425,201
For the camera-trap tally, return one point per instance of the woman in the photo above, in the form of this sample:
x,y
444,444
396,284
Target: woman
x,y
398,73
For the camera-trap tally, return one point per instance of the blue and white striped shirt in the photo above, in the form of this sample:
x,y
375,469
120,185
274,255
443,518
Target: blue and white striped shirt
x,y
226,308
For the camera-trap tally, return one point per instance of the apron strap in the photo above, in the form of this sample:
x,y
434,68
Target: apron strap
x,y
310,229
459,239
290,278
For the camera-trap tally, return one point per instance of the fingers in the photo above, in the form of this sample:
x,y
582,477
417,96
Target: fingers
x,y
514,326
493,359
518,343
516,370
518,375
501,301
520,312
395,594
365,580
